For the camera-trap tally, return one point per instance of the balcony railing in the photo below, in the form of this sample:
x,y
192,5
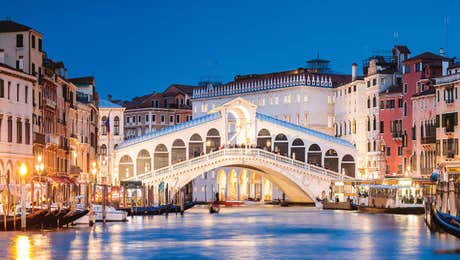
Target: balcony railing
x,y
448,78
50,103
397,135
39,138
428,140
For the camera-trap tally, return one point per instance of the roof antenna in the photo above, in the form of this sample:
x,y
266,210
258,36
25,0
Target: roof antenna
x,y
446,43
395,37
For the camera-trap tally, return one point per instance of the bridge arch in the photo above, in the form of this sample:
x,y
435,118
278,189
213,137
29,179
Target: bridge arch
x,y
298,150
314,155
178,151
331,160
348,166
281,145
212,140
161,156
195,146
125,167
143,162
264,139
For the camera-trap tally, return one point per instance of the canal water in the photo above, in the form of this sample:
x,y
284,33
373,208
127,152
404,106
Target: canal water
x,y
239,233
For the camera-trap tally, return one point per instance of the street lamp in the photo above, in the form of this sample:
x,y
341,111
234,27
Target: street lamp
x,y
23,172
94,173
39,167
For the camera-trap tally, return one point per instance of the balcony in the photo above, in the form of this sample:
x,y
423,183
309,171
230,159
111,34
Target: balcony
x,y
428,140
50,103
448,79
39,138
52,139
397,135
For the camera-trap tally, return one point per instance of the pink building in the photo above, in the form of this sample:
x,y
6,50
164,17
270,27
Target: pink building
x,y
423,156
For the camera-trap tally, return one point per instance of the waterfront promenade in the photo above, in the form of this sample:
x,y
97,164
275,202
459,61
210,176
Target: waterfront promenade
x,y
238,233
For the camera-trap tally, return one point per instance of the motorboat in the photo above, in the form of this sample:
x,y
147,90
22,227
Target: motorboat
x,y
111,214
387,199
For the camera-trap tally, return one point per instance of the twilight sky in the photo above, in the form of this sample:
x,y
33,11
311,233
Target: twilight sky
x,y
136,47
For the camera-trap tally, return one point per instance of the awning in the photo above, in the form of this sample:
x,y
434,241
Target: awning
x,y
61,180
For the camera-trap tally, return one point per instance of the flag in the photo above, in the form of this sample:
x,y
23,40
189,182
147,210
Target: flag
x,y
107,124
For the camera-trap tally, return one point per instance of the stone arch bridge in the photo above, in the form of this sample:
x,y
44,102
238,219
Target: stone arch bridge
x,y
301,161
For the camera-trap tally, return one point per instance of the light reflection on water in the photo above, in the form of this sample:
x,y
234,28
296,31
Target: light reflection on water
x,y
238,233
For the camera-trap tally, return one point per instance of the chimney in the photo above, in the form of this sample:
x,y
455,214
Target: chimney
x,y
2,56
354,68
441,52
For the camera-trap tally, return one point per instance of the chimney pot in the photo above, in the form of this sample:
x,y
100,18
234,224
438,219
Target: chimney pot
x,y
354,68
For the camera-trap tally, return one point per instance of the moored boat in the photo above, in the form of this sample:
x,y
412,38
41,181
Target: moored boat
x,y
346,205
447,222
111,214
388,199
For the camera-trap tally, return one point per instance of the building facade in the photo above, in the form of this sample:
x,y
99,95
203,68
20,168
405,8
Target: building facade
x,y
110,135
16,108
155,111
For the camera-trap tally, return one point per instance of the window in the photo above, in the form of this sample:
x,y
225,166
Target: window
x,y
406,69
103,126
40,44
390,103
33,41
26,94
27,131
171,119
382,124
2,88
139,119
368,102
155,103
374,101
18,131
374,124
369,83
147,118
17,93
405,109
382,104
388,151
20,63
405,87
374,82
177,118
116,125
418,67
400,150
162,118
19,40
10,129
449,121
450,147
154,118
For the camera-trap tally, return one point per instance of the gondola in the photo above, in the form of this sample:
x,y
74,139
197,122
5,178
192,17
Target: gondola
x,y
447,222
54,218
347,205
33,220
72,216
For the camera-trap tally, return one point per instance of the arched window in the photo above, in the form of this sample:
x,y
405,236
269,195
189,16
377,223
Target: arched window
x,y
116,126
348,165
298,150
331,160
103,149
374,124
103,128
314,155
195,146
281,144
368,124
212,140
374,101
264,140
405,108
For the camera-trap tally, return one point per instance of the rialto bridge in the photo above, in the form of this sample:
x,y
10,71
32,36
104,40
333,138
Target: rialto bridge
x,y
300,161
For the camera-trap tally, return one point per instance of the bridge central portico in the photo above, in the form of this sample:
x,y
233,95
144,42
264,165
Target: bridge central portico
x,y
300,161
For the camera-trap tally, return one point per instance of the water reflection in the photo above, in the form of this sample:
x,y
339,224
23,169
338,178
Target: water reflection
x,y
237,233
22,245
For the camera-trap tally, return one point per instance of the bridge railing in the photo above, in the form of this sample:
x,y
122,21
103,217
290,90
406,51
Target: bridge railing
x,y
241,152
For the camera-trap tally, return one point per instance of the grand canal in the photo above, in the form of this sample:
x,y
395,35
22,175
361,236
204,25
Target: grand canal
x,y
242,233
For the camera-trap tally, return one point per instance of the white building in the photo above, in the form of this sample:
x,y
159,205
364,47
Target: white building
x,y
15,122
356,113
108,140
297,96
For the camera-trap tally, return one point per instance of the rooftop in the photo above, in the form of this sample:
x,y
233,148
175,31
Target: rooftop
x,y
83,80
104,103
428,56
10,26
